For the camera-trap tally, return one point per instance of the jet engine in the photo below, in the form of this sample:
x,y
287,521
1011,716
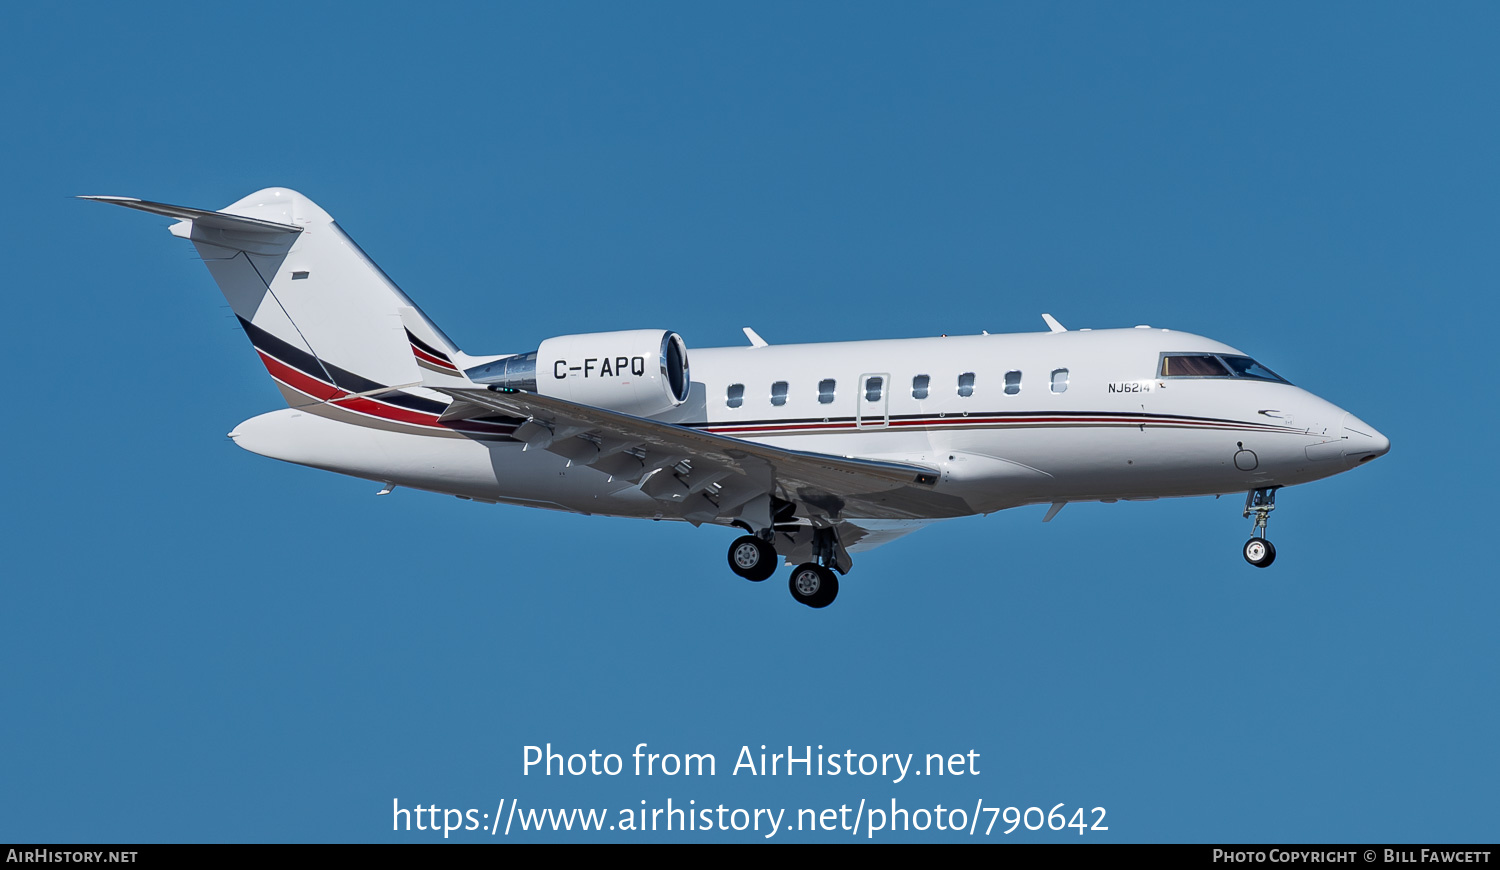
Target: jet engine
x,y
640,371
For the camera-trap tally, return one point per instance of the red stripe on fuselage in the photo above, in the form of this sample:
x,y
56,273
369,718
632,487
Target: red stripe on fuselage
x,y
318,389
979,420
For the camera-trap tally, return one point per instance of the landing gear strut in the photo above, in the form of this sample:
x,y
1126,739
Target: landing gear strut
x,y
1258,551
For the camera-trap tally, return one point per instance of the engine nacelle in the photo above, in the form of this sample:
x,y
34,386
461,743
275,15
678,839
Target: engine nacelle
x,y
639,371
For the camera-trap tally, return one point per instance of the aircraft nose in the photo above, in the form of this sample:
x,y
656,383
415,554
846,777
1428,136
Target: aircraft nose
x,y
1365,442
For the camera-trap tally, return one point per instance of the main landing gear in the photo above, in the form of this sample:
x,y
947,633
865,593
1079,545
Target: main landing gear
x,y
812,583
1258,551
752,558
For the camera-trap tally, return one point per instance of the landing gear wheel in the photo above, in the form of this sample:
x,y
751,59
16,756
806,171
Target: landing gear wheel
x,y
752,558
1259,503
813,585
1260,552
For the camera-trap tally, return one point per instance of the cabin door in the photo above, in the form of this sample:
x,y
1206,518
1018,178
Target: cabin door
x,y
874,402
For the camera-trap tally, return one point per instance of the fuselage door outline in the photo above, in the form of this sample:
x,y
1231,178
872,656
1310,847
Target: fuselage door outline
x,y
872,408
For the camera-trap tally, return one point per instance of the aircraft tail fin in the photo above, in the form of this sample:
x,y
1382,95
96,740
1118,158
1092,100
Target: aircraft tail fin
x,y
429,353
324,318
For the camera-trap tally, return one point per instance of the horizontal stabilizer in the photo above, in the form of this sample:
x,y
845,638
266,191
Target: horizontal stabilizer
x,y
200,217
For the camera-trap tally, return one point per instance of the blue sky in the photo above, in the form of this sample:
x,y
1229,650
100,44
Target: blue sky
x,y
203,644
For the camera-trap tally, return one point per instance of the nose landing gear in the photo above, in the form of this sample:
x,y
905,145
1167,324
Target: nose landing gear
x,y
1258,551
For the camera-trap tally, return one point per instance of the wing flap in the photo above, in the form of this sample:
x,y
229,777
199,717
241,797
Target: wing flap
x,y
704,475
858,475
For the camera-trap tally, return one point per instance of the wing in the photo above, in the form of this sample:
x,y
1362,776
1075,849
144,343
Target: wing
x,y
704,477
863,535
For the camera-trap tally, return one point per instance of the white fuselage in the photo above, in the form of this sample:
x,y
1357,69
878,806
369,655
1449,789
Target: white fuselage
x,y
1088,417
815,451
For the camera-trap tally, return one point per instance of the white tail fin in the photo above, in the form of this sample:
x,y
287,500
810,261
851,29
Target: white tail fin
x,y
326,321
335,332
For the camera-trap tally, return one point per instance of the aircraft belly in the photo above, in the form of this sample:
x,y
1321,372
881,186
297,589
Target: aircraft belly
x,y
482,470
1162,462
982,470
912,445
993,470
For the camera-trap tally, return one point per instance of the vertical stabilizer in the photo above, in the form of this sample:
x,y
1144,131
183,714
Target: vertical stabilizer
x,y
324,318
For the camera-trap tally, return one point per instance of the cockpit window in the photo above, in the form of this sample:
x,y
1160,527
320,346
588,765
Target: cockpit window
x,y
1212,365
1193,366
1245,367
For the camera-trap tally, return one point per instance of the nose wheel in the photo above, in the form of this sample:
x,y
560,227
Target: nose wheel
x,y
1258,551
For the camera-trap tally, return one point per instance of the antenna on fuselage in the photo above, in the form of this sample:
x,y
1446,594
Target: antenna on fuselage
x,y
1052,323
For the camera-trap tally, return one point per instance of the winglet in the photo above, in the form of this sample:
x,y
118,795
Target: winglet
x,y
1052,323
755,339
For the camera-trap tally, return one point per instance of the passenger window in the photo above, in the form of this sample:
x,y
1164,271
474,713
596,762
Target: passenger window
x,y
1059,380
1012,383
825,391
778,393
919,386
873,387
736,395
966,384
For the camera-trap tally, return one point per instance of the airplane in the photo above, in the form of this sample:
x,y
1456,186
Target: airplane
x,y
814,452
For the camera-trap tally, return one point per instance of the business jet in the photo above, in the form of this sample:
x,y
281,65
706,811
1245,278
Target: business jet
x,y
815,452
